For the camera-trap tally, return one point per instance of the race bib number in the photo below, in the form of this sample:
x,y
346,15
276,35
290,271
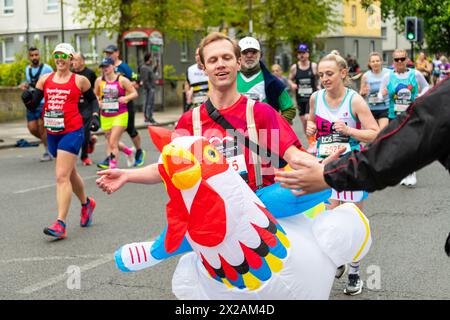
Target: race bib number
x,y
331,143
234,155
305,91
54,120
110,106
305,88
400,107
373,99
253,95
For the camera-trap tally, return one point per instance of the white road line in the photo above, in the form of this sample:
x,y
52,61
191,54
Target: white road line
x,y
54,280
40,259
47,186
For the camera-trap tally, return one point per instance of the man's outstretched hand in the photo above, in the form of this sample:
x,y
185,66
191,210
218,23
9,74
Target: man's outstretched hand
x,y
111,180
306,175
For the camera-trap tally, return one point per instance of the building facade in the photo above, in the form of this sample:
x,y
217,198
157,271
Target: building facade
x,y
357,36
44,23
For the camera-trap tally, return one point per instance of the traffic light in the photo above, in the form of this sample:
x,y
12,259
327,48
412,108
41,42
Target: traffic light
x,y
411,28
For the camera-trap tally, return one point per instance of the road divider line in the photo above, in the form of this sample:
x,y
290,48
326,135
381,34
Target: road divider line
x,y
43,259
59,278
47,186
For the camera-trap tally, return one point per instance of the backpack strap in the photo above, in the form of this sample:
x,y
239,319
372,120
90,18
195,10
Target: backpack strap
x,y
196,123
253,136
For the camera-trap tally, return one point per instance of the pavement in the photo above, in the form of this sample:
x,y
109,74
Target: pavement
x,y
12,131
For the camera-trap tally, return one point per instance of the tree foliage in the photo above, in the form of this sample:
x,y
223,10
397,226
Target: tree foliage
x,y
435,13
273,20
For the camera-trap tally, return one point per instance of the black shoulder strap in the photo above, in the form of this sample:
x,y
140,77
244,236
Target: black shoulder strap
x,y
34,79
266,153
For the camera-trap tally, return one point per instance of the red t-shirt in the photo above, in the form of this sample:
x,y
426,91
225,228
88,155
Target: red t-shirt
x,y
272,129
61,100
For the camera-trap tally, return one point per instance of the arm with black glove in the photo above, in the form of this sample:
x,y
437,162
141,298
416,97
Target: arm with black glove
x,y
91,98
95,123
32,99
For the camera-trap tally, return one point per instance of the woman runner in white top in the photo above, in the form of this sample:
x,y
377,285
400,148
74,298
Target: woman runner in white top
x,y
340,117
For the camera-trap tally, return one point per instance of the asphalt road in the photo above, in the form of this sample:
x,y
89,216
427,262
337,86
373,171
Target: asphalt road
x,y
406,261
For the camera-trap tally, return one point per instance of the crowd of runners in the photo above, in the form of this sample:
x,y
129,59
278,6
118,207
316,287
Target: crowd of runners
x,y
66,106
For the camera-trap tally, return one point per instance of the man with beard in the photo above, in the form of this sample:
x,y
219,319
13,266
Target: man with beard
x,y
256,82
33,72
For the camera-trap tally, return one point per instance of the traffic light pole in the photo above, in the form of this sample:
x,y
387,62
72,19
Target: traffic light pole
x,y
412,50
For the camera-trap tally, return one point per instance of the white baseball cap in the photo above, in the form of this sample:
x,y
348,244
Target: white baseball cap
x,y
65,48
249,43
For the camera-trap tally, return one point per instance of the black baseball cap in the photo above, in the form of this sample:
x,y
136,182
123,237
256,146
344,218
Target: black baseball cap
x,y
111,48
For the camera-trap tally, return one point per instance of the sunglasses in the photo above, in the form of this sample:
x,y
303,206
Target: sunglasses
x,y
400,59
61,55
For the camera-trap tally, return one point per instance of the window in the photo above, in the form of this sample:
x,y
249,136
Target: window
x,y
184,51
372,46
384,32
87,47
50,42
7,50
356,49
52,5
354,15
8,7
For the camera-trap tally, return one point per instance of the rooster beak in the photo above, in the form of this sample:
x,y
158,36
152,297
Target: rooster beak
x,y
181,166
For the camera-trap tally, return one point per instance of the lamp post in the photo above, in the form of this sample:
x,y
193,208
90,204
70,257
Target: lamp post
x,y
62,20
250,21
27,31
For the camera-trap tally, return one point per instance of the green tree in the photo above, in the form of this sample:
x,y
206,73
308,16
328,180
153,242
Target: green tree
x,y
435,13
293,22
274,21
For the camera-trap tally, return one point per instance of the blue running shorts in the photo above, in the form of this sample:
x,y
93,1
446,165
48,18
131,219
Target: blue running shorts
x,y
35,115
70,142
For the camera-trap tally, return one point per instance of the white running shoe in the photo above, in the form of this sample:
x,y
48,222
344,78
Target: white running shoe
x,y
130,158
411,180
46,157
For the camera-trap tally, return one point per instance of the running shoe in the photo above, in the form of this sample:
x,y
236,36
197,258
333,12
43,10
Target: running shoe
x,y
140,157
104,164
91,144
135,256
86,162
131,158
46,157
86,212
411,180
340,271
57,230
354,285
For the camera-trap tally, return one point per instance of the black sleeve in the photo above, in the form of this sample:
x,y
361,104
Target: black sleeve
x,y
90,97
407,144
32,99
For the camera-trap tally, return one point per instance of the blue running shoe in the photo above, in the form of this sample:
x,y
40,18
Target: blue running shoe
x,y
104,164
140,157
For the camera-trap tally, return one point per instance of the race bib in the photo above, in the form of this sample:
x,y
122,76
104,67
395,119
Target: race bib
x,y
253,95
234,155
331,143
110,106
400,106
199,98
54,120
304,91
373,99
